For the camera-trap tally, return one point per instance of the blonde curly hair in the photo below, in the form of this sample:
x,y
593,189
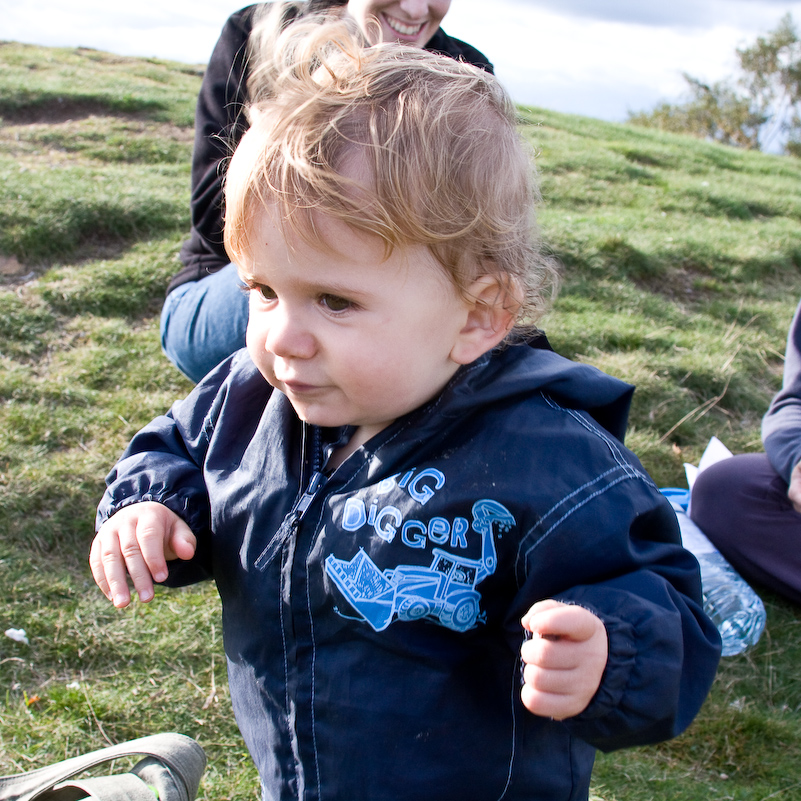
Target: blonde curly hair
x,y
445,165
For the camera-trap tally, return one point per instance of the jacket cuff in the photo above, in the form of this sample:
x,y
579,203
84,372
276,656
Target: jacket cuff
x,y
617,674
179,503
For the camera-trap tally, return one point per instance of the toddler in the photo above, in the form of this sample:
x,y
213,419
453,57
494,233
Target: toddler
x,y
442,574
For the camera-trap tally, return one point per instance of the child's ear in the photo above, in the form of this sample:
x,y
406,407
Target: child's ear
x,y
491,315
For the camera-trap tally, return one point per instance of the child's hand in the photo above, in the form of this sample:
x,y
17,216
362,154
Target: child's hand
x,y
138,540
564,659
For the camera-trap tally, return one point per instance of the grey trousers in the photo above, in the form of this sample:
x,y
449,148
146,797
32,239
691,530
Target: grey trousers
x,y
741,504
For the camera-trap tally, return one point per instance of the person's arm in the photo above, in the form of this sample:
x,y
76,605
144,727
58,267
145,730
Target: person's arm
x,y
622,552
219,125
163,463
781,425
156,507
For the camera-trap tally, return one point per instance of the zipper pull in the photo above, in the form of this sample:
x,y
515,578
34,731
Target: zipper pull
x,y
304,503
290,523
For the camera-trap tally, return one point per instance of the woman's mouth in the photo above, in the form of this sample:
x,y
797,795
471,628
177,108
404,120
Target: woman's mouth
x,y
404,29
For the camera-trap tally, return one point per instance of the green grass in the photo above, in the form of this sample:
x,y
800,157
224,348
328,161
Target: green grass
x,y
682,268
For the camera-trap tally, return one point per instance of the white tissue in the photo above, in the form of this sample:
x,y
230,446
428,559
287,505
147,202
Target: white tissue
x,y
18,635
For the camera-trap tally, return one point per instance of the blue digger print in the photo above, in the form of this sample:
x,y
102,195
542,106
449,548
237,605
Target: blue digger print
x,y
444,592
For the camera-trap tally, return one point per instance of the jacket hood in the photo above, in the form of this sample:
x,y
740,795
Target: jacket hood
x,y
518,370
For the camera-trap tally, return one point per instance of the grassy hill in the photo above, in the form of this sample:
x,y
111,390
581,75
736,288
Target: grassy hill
x,y
682,268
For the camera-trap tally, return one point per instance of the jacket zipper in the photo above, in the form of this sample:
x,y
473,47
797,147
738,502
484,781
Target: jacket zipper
x,y
290,523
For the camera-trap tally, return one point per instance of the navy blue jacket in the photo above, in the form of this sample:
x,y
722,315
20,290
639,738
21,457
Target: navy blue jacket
x,y
371,617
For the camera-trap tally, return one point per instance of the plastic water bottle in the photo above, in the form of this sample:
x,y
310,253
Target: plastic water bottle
x,y
735,609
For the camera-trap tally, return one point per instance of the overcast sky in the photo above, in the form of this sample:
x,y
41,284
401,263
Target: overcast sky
x,y
600,58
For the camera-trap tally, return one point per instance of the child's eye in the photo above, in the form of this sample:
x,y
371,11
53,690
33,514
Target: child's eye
x,y
335,303
265,292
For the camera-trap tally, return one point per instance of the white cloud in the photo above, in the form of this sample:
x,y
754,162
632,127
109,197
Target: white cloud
x,y
604,68
686,14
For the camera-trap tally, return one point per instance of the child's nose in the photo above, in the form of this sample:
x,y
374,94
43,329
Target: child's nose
x,y
288,336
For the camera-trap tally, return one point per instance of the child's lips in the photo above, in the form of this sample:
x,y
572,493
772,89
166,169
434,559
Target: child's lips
x,y
299,387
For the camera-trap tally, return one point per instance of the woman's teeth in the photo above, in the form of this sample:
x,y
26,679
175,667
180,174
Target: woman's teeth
x,y
404,28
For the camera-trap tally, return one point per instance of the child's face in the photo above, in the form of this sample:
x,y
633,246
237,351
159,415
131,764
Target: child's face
x,y
411,22
349,337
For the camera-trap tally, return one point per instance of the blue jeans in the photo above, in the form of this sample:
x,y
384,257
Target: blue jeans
x,y
204,322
